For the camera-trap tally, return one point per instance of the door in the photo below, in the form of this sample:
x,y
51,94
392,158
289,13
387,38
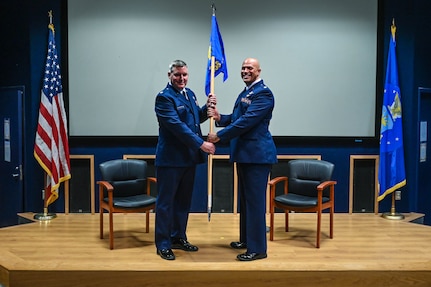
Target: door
x,y
11,154
424,172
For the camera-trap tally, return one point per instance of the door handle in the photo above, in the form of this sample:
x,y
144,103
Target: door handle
x,y
19,174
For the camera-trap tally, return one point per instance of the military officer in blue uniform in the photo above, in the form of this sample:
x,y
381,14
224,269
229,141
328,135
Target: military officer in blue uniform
x,y
179,149
254,151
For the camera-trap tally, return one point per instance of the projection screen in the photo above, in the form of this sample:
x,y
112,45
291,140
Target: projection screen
x,y
317,56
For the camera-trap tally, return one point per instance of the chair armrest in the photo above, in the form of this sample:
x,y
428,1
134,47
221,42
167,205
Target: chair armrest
x,y
106,185
322,186
150,180
276,180
272,184
325,184
109,188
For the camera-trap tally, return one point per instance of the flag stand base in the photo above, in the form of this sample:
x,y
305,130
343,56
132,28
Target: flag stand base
x,y
45,216
393,216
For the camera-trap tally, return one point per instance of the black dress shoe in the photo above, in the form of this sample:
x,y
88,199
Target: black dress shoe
x,y
184,245
166,254
238,245
251,256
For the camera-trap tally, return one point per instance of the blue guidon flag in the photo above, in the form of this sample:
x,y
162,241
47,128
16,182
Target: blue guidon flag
x,y
216,49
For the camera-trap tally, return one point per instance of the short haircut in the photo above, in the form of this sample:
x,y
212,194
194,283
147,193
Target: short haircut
x,y
176,64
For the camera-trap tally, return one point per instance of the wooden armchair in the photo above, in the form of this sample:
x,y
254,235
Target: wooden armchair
x,y
124,188
307,188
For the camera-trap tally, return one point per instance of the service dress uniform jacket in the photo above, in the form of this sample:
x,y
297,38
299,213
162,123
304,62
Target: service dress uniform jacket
x,y
253,149
177,154
180,135
247,127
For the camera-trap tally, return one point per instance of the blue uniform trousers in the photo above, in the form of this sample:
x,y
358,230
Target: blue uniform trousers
x,y
252,184
174,195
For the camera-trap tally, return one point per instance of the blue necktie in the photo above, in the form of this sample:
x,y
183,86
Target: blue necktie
x,y
185,95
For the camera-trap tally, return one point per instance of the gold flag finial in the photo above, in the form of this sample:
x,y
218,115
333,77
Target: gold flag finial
x,y
50,25
393,29
50,16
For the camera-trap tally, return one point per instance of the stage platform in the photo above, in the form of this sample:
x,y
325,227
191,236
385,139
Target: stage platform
x,y
367,250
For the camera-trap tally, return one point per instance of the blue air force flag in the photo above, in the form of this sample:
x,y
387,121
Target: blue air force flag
x,y
216,49
391,165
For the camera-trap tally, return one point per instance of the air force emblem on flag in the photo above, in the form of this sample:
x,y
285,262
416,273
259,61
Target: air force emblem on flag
x,y
391,113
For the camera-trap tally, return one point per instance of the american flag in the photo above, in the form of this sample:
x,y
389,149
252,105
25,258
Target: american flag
x,y
51,147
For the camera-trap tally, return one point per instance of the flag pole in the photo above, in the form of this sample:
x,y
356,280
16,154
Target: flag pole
x,y
216,65
210,156
393,214
52,82
45,216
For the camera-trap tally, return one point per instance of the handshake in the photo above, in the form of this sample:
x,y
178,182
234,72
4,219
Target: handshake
x,y
208,146
213,138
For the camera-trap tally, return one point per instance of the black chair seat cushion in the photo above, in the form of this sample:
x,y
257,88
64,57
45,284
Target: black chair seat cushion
x,y
141,200
296,200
